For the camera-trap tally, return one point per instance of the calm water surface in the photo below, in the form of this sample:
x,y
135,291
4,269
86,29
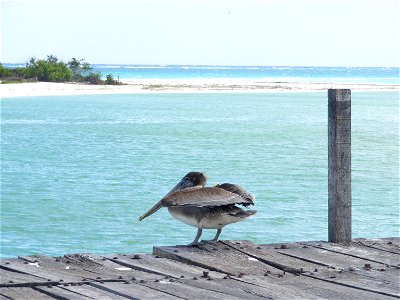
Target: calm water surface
x,y
78,171
372,75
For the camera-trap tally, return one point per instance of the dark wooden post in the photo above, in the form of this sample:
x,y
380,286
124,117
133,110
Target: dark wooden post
x,y
339,165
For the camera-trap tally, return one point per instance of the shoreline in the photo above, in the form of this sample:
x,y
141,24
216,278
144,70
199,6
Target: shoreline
x,y
143,86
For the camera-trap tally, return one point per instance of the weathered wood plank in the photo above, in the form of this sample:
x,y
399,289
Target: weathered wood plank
x,y
34,269
388,245
323,257
32,258
8,277
133,291
273,258
344,269
22,293
41,269
58,292
182,290
332,275
393,240
389,277
158,265
382,283
92,292
80,268
105,269
229,286
216,257
305,287
272,286
360,251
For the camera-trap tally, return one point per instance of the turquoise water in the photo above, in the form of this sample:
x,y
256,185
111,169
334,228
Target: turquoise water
x,y
269,73
372,75
78,171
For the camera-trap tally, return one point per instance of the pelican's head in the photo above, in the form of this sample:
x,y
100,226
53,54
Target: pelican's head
x,y
191,179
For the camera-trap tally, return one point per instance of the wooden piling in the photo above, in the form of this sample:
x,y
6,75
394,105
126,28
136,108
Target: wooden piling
x,y
339,165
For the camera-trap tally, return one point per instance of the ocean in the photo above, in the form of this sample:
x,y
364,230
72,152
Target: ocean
x,y
78,171
372,75
281,73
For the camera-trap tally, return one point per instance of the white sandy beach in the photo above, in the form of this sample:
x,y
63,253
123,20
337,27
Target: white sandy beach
x,y
177,86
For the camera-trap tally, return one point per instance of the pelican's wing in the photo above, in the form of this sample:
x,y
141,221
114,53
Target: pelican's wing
x,y
209,196
234,188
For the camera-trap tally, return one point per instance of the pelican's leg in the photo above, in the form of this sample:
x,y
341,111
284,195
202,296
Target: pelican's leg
x,y
215,237
196,239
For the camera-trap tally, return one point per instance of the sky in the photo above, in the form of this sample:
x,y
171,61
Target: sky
x,y
347,33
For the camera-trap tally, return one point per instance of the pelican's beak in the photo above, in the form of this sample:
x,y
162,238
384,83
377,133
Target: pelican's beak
x,y
181,185
152,210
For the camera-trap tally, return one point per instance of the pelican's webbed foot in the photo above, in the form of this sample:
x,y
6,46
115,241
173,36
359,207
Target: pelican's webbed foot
x,y
215,239
196,239
195,243
209,241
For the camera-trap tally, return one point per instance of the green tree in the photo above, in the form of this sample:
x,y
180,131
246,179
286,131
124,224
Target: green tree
x,y
80,69
110,80
53,70
50,69
5,72
94,78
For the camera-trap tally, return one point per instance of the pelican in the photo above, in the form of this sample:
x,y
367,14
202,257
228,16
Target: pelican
x,y
205,207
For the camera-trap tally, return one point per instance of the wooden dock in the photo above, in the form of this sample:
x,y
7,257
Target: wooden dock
x,y
362,269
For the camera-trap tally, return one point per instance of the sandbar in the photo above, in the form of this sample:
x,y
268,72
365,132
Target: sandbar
x,y
141,86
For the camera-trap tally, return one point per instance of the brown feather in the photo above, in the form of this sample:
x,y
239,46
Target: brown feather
x,y
200,197
234,188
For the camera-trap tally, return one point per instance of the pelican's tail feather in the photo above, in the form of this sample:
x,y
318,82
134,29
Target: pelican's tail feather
x,y
244,213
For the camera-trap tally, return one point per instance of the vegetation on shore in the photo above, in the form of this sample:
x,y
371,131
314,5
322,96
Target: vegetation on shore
x,y
52,69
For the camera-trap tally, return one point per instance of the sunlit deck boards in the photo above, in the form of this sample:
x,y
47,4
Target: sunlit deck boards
x,y
364,269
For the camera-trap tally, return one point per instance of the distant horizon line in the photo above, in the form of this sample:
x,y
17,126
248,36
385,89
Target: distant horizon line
x,y
222,65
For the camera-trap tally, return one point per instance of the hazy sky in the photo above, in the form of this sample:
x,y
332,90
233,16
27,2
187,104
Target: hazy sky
x,y
213,32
